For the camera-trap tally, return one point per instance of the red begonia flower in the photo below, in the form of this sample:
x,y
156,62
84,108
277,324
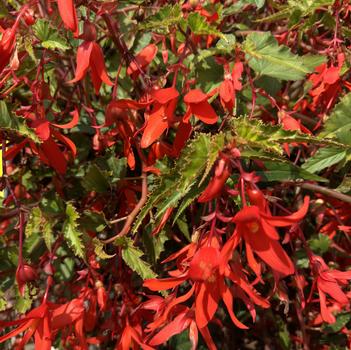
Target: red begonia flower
x,y
198,106
142,60
90,55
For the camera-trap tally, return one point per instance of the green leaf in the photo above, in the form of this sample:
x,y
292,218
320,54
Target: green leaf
x,y
256,134
40,224
266,57
154,245
49,37
71,231
195,161
279,171
118,167
166,17
15,124
338,124
132,257
23,303
324,158
95,180
199,26
319,243
341,320
226,43
99,250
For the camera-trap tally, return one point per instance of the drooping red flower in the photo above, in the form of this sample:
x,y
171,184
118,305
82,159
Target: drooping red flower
x,y
258,229
8,41
215,186
328,282
161,115
209,286
198,106
230,85
90,56
44,321
142,60
68,14
131,338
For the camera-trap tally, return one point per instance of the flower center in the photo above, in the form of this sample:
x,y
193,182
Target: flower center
x,y
253,227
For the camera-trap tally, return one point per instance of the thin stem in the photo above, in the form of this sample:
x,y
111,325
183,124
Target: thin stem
x,y
133,214
326,191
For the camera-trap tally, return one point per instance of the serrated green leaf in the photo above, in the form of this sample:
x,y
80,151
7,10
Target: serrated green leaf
x,y
267,137
196,157
49,37
324,158
99,250
266,57
199,26
166,17
40,224
95,180
71,231
132,257
15,124
154,245
338,124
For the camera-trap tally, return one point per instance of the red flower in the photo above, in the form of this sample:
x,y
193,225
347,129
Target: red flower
x,y
328,282
257,228
161,116
90,55
8,41
230,84
45,320
142,60
209,286
130,337
198,106
215,186
68,14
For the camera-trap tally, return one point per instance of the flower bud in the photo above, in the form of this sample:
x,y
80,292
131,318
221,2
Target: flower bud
x,y
26,273
89,32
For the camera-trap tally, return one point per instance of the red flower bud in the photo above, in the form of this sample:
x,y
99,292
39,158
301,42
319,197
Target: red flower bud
x,y
89,32
215,186
26,273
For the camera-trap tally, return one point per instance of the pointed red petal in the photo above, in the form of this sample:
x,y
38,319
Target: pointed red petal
x,y
333,289
83,61
164,95
204,112
195,96
97,64
156,125
178,325
68,14
54,156
163,284
206,303
327,316
72,123
281,221
228,301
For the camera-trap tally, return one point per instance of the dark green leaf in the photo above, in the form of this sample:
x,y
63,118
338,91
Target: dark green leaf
x,y
324,158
